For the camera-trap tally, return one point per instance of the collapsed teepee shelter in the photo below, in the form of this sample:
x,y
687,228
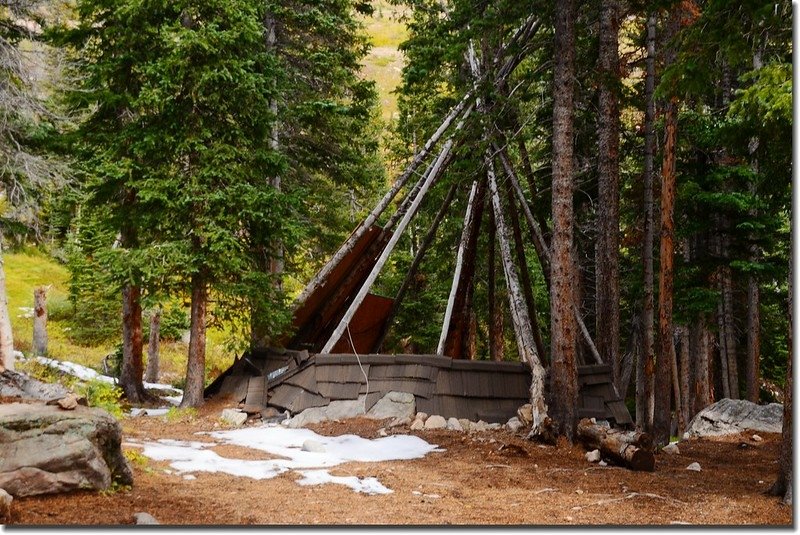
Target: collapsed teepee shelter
x,y
340,326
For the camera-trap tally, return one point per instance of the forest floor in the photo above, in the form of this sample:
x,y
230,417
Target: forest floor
x,y
489,478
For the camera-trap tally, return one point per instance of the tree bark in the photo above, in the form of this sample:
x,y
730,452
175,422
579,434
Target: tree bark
x,y
196,361
783,484
563,368
645,366
132,369
40,321
701,393
6,336
607,245
685,379
631,449
153,347
730,334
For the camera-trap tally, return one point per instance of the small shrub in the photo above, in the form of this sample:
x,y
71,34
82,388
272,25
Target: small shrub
x,y
104,396
112,363
59,309
135,457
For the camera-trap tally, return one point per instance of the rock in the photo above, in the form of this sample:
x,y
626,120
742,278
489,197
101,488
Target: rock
x,y
422,416
68,402
593,456
435,422
480,426
46,450
19,385
418,425
493,426
335,410
234,417
694,467
397,422
756,438
732,416
313,446
513,424
393,405
602,463
465,424
525,414
671,449
454,425
145,519
5,506
382,432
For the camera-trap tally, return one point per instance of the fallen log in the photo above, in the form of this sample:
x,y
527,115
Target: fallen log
x,y
631,449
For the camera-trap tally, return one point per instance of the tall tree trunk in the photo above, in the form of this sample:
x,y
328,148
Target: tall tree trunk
x,y
685,380
663,379
783,485
723,343
153,347
701,374
645,365
563,369
730,334
6,336
607,246
196,362
40,321
130,377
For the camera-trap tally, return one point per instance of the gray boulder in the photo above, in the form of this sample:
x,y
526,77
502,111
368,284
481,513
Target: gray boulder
x,y
435,422
394,405
732,416
335,410
234,417
454,425
46,449
145,519
20,385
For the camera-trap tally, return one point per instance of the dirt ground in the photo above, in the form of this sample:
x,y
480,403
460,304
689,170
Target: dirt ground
x,y
492,478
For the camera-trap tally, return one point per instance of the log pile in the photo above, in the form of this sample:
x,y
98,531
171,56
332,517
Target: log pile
x,y
631,449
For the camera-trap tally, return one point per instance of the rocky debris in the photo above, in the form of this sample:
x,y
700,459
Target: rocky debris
x,y
145,519
593,456
479,427
68,402
47,450
19,385
422,416
335,410
514,424
435,422
234,417
732,416
454,425
382,432
313,446
466,425
493,427
397,422
418,425
756,438
671,449
393,405
602,463
525,414
5,506
694,467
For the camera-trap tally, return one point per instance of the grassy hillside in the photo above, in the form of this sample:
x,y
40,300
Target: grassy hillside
x,y
385,62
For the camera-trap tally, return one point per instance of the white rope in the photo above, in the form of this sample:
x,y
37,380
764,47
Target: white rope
x,y
353,347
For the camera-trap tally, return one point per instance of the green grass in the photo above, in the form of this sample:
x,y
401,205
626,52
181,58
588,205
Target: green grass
x,y
29,269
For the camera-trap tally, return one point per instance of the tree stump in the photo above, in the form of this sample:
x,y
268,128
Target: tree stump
x,y
631,449
40,321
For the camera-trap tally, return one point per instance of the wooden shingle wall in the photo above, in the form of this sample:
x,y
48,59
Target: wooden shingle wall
x,y
477,390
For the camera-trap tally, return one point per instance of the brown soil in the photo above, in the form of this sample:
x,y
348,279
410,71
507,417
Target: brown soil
x,y
481,479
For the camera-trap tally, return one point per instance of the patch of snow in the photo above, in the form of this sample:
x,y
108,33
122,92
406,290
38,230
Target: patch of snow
x,y
81,372
367,485
174,400
148,412
287,444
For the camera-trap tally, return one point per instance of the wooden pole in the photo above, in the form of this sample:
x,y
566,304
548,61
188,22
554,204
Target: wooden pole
x,y
322,276
412,270
40,321
468,219
362,293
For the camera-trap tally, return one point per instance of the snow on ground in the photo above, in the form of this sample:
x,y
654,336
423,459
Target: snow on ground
x,y
291,446
88,374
